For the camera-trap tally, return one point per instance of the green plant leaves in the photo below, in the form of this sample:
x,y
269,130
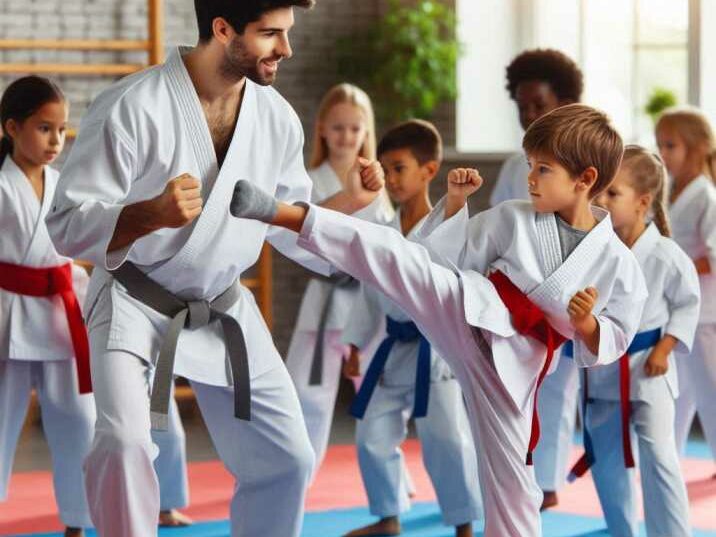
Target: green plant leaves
x,y
407,61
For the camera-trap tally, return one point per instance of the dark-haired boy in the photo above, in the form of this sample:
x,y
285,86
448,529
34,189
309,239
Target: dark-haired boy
x,y
406,376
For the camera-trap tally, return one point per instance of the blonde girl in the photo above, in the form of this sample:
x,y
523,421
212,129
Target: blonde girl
x,y
637,206
344,132
687,145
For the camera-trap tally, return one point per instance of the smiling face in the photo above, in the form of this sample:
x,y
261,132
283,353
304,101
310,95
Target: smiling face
x,y
344,130
39,139
256,52
552,188
405,177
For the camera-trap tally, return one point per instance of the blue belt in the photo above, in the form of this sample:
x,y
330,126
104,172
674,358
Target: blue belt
x,y
404,333
641,342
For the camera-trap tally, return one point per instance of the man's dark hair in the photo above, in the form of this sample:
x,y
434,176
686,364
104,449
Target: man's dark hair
x,y
420,137
550,66
238,13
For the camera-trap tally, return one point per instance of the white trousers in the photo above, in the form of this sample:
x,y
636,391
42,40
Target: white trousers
x,y
270,456
432,296
557,408
170,464
67,419
317,402
666,505
697,388
447,447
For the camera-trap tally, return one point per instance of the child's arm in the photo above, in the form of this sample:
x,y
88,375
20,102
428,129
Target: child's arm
x,y
462,183
682,293
581,316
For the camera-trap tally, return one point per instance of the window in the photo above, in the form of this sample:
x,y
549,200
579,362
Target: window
x,y
626,50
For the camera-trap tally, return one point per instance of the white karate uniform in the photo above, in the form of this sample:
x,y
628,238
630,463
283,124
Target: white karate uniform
x,y
693,222
673,306
557,404
464,318
36,349
318,401
447,446
170,463
138,134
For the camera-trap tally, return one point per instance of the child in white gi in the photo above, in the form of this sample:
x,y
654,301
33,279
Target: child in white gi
x,y
42,334
640,389
499,333
406,377
344,131
688,147
539,81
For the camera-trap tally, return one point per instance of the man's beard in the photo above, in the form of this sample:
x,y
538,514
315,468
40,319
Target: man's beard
x,y
239,63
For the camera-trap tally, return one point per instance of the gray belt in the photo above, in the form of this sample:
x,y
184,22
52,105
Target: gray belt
x,y
337,281
191,314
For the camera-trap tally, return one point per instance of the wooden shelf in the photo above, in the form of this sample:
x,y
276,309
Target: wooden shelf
x,y
117,45
106,69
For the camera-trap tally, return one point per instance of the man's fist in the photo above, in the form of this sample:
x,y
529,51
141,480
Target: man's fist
x,y
180,203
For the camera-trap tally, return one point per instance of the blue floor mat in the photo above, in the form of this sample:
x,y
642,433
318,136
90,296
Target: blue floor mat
x,y
423,520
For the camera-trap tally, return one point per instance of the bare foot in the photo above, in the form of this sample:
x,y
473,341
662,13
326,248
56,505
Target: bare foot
x,y
384,527
174,519
549,500
74,532
464,530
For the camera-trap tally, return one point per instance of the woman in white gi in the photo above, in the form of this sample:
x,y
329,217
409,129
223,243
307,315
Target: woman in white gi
x,y
539,81
499,334
406,376
344,130
688,147
37,350
637,206
144,196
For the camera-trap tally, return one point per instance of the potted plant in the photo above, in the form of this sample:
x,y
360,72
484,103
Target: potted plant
x,y
406,61
659,100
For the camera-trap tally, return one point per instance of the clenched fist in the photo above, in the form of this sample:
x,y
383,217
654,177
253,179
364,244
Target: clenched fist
x,y
180,203
463,182
581,306
365,181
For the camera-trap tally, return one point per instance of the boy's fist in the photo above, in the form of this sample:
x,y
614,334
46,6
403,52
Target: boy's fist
x,y
581,305
463,182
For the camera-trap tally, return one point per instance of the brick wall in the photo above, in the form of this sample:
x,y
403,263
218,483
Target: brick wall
x,y
302,80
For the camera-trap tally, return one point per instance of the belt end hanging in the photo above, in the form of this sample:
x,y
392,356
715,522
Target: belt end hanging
x,y
159,421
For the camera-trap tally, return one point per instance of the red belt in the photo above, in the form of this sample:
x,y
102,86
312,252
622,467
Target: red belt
x,y
48,282
529,320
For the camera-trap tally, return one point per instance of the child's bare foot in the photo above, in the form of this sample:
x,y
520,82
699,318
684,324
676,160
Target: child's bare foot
x,y
464,530
174,519
74,532
549,500
385,526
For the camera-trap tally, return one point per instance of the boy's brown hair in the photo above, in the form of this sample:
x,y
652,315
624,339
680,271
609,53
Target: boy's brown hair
x,y
578,136
419,136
